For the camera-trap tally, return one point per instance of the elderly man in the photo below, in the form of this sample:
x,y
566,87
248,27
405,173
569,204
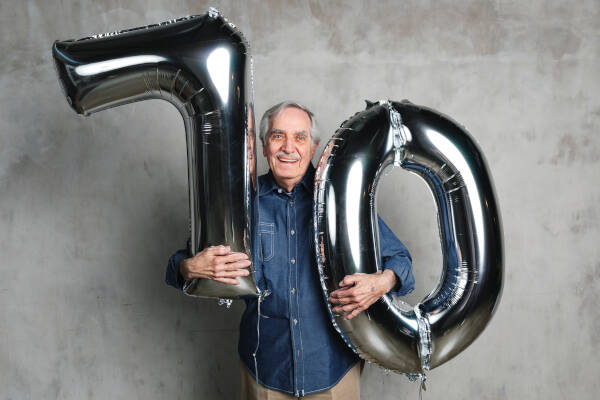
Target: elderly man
x,y
300,354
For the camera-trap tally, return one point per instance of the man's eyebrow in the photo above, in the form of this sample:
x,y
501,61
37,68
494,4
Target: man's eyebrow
x,y
275,130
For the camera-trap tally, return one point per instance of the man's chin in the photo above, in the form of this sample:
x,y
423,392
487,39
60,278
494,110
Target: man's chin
x,y
285,173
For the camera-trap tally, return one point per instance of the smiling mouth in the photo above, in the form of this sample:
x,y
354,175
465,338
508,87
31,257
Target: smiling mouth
x,y
287,160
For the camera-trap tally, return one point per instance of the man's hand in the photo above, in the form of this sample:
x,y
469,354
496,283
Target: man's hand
x,y
217,263
358,291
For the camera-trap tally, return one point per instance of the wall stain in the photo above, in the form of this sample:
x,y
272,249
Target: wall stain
x,y
558,41
473,29
530,135
573,148
587,290
582,221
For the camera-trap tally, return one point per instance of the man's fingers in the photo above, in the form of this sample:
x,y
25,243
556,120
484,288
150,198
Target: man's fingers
x,y
218,250
349,300
232,266
229,281
343,292
230,257
342,300
240,264
354,313
346,305
353,279
232,274
345,308
351,294
348,281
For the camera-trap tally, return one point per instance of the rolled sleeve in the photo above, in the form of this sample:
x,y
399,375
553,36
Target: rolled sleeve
x,y
172,276
395,256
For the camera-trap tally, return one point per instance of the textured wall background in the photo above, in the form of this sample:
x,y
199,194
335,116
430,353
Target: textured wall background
x,y
91,208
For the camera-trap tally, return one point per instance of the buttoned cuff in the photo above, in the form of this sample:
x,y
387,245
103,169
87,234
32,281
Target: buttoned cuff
x,y
403,270
172,276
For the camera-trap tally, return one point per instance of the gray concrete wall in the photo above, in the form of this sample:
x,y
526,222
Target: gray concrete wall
x,y
91,208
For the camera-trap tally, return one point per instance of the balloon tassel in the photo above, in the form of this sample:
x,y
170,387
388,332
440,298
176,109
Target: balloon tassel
x,y
261,297
422,378
422,387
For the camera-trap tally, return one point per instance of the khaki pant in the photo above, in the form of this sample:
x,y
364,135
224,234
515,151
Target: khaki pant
x,y
348,388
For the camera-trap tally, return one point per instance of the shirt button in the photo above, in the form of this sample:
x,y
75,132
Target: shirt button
x,y
292,232
292,203
293,261
293,290
296,323
279,190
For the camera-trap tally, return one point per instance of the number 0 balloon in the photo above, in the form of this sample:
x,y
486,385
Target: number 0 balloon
x,y
437,149
201,65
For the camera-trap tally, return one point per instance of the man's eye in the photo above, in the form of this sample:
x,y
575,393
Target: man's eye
x,y
301,138
275,136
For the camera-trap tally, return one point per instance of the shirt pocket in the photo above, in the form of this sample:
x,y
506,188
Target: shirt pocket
x,y
266,231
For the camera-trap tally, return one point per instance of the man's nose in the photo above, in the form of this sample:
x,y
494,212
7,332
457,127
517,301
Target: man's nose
x,y
288,146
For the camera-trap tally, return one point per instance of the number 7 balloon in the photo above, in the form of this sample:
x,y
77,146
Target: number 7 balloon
x,y
202,66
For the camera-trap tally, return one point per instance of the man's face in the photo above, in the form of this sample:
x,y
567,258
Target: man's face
x,y
289,147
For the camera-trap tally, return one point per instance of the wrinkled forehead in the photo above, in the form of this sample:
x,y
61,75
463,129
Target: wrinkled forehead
x,y
277,114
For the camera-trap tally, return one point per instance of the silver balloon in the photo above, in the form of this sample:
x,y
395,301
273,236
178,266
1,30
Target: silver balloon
x,y
398,337
201,65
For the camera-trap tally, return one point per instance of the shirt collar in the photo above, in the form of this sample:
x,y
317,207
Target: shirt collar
x,y
268,184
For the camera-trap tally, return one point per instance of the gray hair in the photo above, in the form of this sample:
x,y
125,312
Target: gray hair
x,y
274,111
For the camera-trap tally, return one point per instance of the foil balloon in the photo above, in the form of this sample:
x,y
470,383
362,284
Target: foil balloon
x,y
401,338
202,66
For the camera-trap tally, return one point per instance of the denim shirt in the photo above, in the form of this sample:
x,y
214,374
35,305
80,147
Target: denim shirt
x,y
299,351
